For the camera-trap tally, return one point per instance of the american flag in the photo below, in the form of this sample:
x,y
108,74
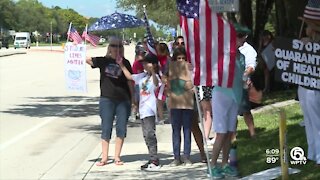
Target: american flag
x,y
152,49
312,10
210,43
94,40
74,35
150,41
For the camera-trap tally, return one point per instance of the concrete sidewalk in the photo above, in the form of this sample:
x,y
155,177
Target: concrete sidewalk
x,y
135,153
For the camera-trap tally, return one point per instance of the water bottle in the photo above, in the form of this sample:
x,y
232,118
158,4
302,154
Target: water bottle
x,y
233,156
245,79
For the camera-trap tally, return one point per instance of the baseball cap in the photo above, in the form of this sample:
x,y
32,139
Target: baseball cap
x,y
241,29
150,58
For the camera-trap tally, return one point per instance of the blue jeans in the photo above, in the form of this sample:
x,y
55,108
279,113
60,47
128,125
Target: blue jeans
x,y
181,118
109,108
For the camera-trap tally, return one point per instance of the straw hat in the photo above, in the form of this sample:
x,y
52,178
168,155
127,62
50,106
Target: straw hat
x,y
311,14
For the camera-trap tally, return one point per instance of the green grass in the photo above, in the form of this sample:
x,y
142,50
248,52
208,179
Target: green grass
x,y
252,152
278,96
46,44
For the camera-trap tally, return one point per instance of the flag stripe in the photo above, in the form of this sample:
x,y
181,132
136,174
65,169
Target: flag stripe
x,y
203,34
208,44
196,42
233,54
220,50
226,48
214,42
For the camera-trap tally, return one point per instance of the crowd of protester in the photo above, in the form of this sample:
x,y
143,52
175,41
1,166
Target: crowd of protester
x,y
160,83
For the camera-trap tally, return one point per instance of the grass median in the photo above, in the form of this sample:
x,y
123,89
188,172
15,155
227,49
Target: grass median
x,y
252,152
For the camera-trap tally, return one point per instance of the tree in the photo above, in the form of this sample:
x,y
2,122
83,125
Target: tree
x,y
70,15
30,16
162,12
287,13
264,8
7,20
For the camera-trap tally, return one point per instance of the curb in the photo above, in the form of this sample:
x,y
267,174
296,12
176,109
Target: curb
x,y
273,106
10,54
47,50
85,168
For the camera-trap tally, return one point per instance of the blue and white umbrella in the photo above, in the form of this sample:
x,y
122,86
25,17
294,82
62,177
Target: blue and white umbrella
x,y
116,21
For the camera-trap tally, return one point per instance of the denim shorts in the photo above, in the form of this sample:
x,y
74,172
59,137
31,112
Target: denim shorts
x,y
111,109
244,106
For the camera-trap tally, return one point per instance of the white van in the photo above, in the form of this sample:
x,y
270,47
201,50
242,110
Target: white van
x,y
22,39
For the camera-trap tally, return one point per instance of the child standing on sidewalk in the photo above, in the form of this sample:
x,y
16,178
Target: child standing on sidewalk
x,y
181,95
148,81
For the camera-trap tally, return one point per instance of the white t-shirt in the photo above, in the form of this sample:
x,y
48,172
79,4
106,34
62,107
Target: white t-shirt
x,y
148,101
250,55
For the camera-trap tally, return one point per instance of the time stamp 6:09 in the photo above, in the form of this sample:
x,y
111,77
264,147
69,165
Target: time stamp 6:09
x,y
272,156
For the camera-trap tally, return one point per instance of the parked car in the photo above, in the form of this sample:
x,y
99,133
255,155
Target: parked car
x,y
4,43
23,40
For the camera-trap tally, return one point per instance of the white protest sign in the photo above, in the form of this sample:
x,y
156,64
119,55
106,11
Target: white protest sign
x,y
75,67
268,56
298,62
224,5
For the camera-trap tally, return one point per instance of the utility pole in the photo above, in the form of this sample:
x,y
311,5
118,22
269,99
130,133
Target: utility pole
x,y
51,35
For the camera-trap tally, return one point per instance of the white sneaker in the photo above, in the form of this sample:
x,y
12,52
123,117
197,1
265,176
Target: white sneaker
x,y
211,141
151,167
161,122
132,118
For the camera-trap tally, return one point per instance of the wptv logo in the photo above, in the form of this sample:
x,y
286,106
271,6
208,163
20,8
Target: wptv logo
x,y
297,156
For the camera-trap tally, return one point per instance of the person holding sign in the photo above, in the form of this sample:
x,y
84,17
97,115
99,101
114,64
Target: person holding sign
x,y
310,98
114,99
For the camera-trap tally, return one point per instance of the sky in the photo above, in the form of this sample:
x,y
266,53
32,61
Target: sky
x,y
90,8
87,8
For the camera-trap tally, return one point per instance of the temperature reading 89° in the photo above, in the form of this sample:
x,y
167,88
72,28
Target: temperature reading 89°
x,y
272,160
272,156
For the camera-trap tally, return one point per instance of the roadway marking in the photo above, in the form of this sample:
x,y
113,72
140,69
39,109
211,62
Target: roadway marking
x,y
28,132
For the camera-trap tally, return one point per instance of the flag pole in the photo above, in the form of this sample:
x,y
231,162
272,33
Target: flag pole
x,y
69,31
144,10
202,128
85,39
201,124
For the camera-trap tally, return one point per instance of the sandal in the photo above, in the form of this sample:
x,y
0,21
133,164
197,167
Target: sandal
x,y
118,162
101,163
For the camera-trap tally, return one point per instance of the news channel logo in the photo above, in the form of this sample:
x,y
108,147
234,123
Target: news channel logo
x,y
297,156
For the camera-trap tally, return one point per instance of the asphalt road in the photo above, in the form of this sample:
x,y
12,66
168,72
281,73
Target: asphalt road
x,y
46,132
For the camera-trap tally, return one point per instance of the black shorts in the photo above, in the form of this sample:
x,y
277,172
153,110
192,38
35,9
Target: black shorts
x,y
204,93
